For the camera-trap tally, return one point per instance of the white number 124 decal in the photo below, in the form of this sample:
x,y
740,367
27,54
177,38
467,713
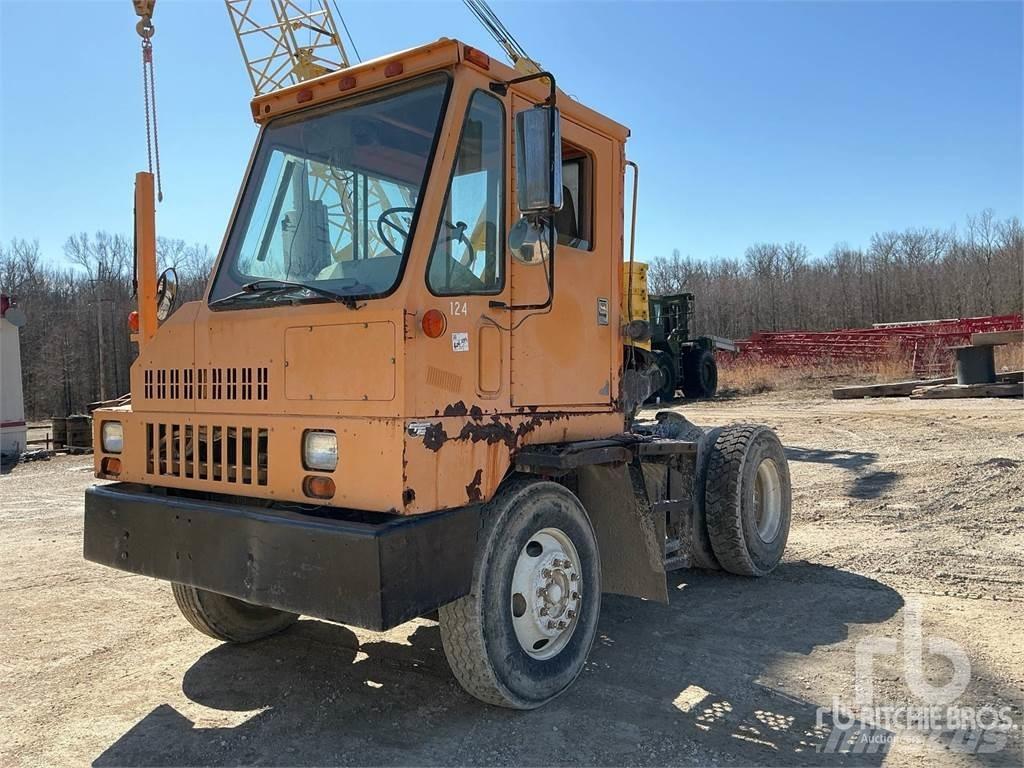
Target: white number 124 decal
x,y
458,308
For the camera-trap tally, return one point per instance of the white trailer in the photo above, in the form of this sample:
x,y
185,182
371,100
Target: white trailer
x,y
12,396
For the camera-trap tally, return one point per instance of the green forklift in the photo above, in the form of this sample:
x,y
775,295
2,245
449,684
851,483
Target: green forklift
x,y
686,362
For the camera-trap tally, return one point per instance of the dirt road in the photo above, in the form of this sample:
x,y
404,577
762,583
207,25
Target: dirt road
x,y
905,512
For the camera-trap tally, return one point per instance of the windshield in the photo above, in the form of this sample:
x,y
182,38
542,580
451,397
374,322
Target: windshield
x,y
333,196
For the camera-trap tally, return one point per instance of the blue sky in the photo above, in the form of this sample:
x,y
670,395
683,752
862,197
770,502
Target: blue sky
x,y
764,121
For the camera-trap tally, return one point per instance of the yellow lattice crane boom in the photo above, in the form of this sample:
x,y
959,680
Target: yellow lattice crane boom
x,y
283,43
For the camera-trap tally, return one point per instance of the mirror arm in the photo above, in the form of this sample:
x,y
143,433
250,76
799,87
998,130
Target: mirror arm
x,y
501,88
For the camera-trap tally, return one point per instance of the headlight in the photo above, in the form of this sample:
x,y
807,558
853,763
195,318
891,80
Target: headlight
x,y
112,437
320,450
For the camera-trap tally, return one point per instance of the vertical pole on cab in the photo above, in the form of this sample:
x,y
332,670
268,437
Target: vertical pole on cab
x,y
145,255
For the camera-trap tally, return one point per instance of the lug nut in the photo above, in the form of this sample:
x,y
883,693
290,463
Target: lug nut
x,y
571,614
546,573
541,591
562,625
551,625
573,577
543,610
575,595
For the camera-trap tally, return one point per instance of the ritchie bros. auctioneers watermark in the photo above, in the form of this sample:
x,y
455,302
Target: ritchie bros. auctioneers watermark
x,y
931,715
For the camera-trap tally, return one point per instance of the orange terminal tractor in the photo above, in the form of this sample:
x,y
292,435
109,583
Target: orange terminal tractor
x,y
411,386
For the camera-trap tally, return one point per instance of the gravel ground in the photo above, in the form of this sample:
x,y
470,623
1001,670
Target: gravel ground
x,y
907,525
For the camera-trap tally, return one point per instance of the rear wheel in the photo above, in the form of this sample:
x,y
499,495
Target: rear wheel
x,y
700,373
227,618
748,499
523,633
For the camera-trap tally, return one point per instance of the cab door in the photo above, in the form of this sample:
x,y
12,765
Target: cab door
x,y
564,356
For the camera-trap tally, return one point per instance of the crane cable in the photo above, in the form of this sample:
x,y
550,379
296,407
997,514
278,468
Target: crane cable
x,y
146,29
490,21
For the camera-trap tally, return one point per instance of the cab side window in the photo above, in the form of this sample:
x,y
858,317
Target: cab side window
x,y
574,221
467,254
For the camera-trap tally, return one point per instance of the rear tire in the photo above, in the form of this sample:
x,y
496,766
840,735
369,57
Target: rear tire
x,y
700,373
702,553
748,499
536,562
227,618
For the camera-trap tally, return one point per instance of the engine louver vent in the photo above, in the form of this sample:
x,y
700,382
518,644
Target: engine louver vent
x,y
206,383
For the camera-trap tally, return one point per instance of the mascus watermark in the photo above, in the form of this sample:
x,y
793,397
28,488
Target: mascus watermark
x,y
932,715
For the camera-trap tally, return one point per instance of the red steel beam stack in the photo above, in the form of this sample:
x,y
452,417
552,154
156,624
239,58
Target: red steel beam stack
x,y
926,342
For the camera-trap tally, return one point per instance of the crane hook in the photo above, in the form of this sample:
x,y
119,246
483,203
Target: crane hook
x,y
145,28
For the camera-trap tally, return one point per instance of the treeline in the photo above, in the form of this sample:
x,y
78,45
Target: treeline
x,y
917,274
77,314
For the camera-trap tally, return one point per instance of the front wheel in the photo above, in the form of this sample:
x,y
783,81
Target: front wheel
x,y
227,618
523,633
667,392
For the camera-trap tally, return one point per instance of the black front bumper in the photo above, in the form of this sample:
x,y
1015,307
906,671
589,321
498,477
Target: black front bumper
x,y
368,574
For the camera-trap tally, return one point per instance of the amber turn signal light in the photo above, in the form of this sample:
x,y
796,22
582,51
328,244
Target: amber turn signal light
x,y
133,322
110,466
433,323
318,487
476,56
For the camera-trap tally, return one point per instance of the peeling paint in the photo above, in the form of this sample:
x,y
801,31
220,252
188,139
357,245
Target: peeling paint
x,y
498,430
455,409
435,437
473,489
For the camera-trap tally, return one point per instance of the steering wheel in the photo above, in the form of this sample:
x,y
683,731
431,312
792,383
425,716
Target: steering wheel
x,y
384,220
456,232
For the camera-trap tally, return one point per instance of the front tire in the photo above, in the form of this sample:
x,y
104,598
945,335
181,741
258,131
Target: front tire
x,y
522,635
227,618
667,393
748,499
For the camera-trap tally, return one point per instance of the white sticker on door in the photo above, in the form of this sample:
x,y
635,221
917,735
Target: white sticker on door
x,y
460,342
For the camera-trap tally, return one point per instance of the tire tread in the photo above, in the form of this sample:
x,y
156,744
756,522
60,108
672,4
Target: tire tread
x,y
724,480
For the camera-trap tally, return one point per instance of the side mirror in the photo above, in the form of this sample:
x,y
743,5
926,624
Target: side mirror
x,y
166,293
539,160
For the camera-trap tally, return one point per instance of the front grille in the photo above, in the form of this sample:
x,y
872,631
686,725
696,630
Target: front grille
x,y
206,383
211,452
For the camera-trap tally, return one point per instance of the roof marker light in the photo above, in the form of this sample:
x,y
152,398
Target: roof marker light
x,y
347,83
394,68
476,56
306,94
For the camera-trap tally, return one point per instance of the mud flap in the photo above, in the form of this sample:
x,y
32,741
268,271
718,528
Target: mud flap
x,y
630,535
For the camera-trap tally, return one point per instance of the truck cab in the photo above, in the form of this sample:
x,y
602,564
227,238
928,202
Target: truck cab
x,y
388,188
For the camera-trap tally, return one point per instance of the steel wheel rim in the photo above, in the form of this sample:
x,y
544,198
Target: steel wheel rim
x,y
547,591
767,500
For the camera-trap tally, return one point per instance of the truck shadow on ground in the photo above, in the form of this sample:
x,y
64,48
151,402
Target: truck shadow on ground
x,y
685,683
865,484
